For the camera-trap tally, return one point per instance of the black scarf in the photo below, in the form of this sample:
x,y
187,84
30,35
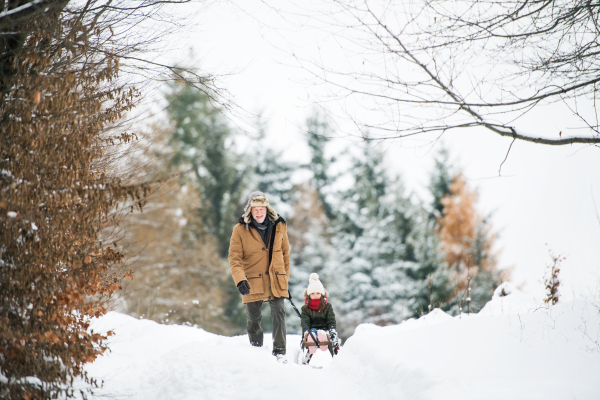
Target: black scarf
x,y
264,229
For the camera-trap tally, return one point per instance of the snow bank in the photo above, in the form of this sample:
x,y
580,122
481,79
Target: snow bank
x,y
510,350
507,299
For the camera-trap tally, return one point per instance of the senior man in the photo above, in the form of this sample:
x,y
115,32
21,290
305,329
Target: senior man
x,y
259,260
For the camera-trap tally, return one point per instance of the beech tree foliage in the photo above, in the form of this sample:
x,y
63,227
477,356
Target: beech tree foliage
x,y
56,272
63,188
178,270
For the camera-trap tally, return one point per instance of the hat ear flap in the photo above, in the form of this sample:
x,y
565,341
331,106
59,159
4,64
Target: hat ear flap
x,y
247,213
271,213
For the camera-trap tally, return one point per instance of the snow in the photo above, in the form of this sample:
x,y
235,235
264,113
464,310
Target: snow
x,y
507,300
510,350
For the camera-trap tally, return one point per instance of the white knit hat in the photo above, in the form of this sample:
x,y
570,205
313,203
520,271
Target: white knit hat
x,y
314,285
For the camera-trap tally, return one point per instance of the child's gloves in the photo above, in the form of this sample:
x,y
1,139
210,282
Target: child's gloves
x,y
244,287
335,341
334,338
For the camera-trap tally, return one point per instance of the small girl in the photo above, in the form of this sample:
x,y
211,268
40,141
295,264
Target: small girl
x,y
317,313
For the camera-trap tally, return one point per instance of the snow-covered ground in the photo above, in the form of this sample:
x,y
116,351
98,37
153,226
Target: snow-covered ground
x,y
510,350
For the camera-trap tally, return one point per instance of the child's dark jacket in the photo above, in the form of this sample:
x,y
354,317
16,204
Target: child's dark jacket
x,y
318,320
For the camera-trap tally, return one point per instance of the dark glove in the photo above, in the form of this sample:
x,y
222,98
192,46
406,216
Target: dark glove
x,y
243,287
334,338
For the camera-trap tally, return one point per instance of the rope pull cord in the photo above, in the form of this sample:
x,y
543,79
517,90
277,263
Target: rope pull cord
x,y
302,321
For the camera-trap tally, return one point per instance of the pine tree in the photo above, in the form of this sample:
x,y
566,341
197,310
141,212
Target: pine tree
x,y
311,218
203,142
434,286
439,184
372,249
319,134
273,177
310,243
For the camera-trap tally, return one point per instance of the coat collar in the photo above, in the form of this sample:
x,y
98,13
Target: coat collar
x,y
275,222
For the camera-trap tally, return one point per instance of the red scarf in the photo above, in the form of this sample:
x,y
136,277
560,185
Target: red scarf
x,y
313,304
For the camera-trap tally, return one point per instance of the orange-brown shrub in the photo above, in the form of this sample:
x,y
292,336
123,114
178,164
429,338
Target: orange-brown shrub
x,y
56,270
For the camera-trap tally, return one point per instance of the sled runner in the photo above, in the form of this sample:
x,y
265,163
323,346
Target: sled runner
x,y
310,347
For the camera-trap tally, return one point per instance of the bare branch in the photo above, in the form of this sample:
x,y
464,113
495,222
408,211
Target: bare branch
x,y
532,54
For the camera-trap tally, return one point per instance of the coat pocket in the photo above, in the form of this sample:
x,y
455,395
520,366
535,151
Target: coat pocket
x,y
282,280
256,284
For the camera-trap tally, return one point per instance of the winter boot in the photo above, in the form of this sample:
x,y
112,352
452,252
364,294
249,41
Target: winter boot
x,y
306,359
281,358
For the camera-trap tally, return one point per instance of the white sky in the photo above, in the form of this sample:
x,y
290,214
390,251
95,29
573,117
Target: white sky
x,y
544,199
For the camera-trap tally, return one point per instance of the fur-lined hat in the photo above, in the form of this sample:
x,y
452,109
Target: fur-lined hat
x,y
315,286
257,199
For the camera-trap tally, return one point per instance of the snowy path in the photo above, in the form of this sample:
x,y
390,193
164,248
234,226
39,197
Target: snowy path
x,y
505,352
153,361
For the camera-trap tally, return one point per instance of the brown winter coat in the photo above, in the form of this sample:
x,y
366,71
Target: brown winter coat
x,y
249,260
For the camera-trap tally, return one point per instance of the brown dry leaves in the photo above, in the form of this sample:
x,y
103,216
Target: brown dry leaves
x,y
57,273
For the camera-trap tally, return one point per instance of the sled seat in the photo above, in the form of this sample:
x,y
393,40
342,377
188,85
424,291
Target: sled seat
x,y
324,339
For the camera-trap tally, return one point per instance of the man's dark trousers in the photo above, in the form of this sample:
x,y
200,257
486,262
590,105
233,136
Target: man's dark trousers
x,y
255,332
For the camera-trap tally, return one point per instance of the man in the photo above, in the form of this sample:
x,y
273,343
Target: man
x,y
259,260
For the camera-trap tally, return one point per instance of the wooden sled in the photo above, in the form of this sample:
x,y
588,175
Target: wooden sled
x,y
310,347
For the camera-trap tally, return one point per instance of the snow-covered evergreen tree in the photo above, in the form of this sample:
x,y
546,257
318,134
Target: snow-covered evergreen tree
x,y
203,142
310,224
434,286
487,276
273,177
465,237
310,246
319,133
375,247
440,180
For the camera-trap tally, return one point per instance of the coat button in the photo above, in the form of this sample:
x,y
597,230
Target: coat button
x,y
259,274
263,248
267,272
